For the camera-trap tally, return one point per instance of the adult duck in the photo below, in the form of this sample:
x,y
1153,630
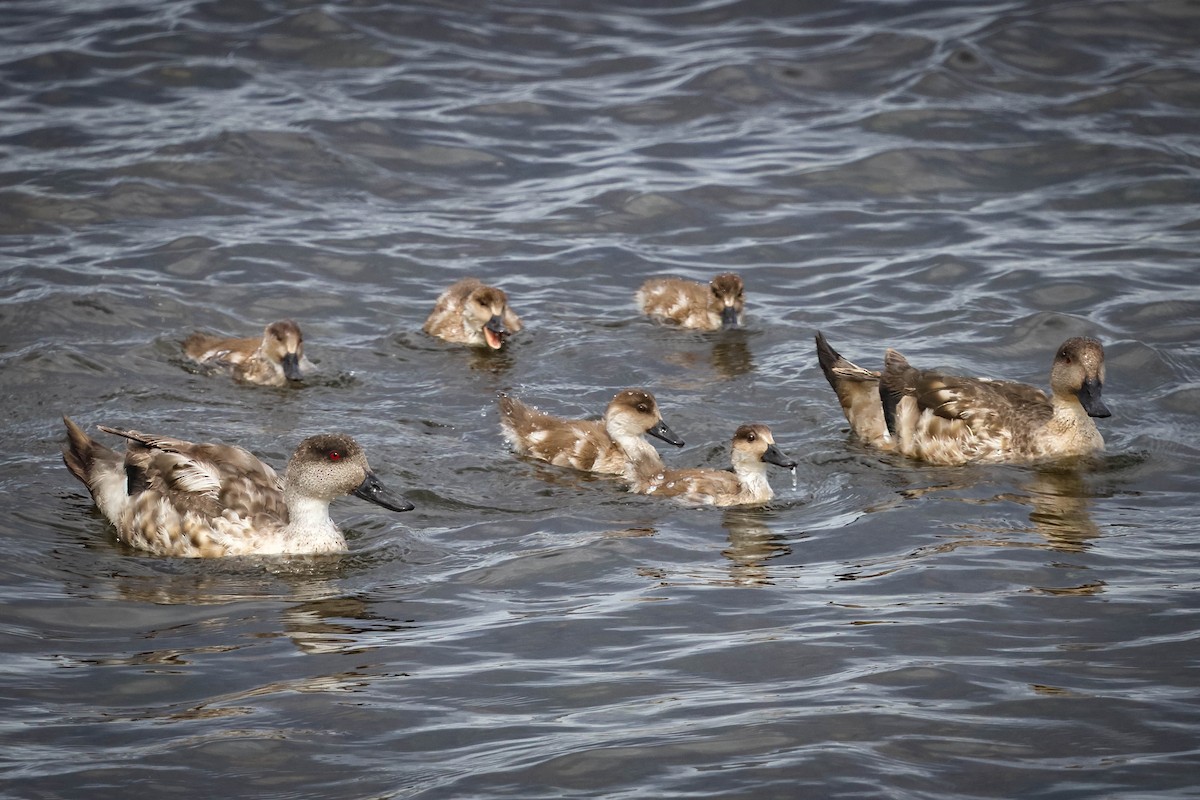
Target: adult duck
x,y
172,497
943,418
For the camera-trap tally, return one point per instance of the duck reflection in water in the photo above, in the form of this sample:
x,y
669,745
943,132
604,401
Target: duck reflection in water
x,y
1059,499
494,362
727,353
341,624
751,545
1056,493
730,356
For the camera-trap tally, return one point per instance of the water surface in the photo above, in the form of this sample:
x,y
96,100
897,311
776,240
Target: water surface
x,y
970,183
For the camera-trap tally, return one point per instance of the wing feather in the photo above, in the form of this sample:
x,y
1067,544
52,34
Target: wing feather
x,y
207,479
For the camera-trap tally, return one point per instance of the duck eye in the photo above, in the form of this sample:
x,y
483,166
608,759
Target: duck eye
x,y
750,437
643,408
334,456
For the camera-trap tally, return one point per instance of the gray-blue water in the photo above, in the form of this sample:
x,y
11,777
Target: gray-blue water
x,y
970,183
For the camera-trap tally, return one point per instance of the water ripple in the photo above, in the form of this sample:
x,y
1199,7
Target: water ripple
x,y
968,184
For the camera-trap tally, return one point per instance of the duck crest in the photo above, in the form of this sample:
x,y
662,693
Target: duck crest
x,y
950,419
176,498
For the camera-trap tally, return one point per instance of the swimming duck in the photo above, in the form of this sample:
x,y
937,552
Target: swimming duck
x,y
753,448
698,306
613,445
273,360
471,313
947,419
176,498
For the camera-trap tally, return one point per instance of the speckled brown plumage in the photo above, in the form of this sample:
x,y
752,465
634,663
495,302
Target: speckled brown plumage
x,y
752,448
609,446
698,306
273,360
943,418
172,497
469,312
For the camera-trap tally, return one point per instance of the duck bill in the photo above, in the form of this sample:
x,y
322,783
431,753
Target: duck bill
x,y
1089,398
291,367
373,491
494,332
661,431
775,456
729,317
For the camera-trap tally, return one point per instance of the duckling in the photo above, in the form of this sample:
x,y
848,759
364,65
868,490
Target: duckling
x,y
611,446
689,304
471,313
273,360
752,449
948,419
175,498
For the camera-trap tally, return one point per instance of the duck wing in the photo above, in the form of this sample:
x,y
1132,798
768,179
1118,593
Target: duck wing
x,y
579,443
982,403
694,485
205,348
208,479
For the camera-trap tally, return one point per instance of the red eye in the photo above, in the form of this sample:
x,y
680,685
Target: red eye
x,y
334,455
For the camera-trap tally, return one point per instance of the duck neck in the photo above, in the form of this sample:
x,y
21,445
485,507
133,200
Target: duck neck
x,y
640,456
1071,422
643,465
309,528
752,475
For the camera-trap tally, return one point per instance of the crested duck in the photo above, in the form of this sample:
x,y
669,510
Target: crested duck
x,y
706,307
273,360
469,312
613,445
948,419
176,498
752,449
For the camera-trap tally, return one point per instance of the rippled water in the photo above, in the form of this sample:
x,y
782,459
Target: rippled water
x,y
970,183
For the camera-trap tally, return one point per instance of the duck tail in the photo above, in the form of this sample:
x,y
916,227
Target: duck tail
x,y
837,369
82,452
827,357
512,412
857,390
